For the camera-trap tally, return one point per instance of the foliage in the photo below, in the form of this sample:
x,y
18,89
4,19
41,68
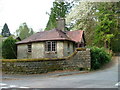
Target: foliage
x,y
24,32
5,31
9,48
0,47
59,10
106,25
115,42
82,17
99,56
100,21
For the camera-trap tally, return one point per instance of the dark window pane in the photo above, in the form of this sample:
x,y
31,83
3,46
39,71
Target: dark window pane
x,y
49,46
29,48
53,46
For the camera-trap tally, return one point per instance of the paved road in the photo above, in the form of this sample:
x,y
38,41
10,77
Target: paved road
x,y
104,78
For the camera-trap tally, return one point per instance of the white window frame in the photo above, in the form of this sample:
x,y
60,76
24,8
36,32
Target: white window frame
x,y
50,46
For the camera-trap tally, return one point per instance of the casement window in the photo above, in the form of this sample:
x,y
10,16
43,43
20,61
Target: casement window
x,y
50,46
29,47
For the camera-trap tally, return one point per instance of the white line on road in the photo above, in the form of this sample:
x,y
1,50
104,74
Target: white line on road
x,y
4,86
117,84
23,87
13,86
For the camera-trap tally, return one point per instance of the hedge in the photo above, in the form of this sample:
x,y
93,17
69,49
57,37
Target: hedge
x,y
99,57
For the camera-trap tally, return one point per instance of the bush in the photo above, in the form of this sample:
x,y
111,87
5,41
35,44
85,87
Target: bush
x,y
9,48
99,56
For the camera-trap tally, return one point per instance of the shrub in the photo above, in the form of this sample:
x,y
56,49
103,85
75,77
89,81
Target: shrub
x,y
99,56
9,48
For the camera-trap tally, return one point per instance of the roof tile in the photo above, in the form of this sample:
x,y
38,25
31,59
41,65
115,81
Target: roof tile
x,y
54,34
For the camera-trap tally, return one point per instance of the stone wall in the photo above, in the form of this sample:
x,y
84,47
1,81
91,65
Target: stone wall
x,y
38,50
68,50
22,51
79,59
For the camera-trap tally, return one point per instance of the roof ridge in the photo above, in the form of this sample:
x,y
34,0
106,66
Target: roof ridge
x,y
63,33
58,32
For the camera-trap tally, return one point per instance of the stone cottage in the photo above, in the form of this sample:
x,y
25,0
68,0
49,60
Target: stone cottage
x,y
55,43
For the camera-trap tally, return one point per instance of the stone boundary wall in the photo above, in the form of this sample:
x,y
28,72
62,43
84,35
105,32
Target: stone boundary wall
x,y
78,60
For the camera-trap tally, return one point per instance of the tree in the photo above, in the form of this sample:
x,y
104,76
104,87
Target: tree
x,y
9,48
24,32
82,17
99,21
106,25
5,31
115,42
59,10
0,46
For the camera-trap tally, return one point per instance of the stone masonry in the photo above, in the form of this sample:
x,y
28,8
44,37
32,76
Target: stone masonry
x,y
80,60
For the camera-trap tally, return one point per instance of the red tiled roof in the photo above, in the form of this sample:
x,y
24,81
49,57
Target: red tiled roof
x,y
54,34
75,35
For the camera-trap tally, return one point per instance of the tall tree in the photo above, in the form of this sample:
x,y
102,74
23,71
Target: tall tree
x,y
82,17
24,32
59,10
115,42
106,25
5,31
100,22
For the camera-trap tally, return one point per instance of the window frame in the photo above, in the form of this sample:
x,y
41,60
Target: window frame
x,y
51,46
29,48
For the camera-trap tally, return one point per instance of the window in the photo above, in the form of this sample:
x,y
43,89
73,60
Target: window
x,y
50,46
68,46
29,48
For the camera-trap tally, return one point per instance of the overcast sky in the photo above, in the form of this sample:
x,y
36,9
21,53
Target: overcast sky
x,y
33,12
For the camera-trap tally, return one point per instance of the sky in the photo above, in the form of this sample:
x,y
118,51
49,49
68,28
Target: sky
x,y
16,12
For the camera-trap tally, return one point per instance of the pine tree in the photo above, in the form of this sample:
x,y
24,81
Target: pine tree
x,y
5,31
106,25
59,10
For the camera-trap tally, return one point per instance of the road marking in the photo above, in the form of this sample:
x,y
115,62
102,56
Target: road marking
x,y
13,86
3,86
117,84
23,87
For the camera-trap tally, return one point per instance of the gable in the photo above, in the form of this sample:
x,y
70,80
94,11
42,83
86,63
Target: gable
x,y
76,36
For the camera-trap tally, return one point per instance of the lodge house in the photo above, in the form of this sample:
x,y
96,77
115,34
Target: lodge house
x,y
56,43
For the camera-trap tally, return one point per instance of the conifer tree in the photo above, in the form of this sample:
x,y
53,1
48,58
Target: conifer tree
x,y
59,10
5,31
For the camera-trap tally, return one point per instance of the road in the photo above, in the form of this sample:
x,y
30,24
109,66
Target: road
x,y
104,78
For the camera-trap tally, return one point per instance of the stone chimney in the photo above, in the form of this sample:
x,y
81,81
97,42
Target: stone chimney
x,y
61,24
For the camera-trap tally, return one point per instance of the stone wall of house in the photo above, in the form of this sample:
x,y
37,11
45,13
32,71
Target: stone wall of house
x,y
38,50
80,60
68,50
60,47
22,51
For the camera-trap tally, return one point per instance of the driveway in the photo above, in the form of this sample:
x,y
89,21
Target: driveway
x,y
107,77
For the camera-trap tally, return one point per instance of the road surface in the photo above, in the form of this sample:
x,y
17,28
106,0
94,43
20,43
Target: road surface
x,y
104,78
